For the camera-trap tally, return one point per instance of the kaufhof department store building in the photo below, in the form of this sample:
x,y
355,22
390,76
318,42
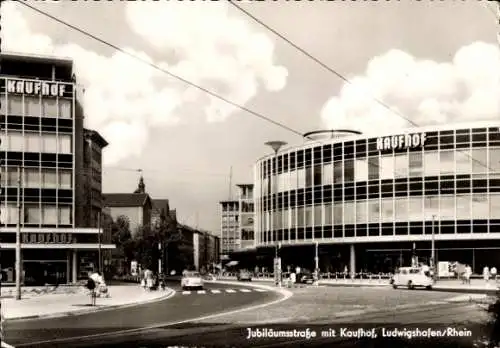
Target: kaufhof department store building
x,y
369,202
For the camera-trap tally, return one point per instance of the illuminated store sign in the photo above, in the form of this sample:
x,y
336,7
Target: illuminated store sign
x,y
406,141
47,238
49,89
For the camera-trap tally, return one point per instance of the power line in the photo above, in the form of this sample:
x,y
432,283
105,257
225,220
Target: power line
x,y
309,55
154,66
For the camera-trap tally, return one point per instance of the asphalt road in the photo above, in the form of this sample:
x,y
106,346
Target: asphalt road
x,y
181,307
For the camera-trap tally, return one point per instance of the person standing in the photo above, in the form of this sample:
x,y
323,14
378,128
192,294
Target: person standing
x,y
293,279
493,272
486,274
467,274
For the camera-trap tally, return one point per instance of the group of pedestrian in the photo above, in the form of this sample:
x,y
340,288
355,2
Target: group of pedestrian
x,y
490,274
466,274
150,281
97,285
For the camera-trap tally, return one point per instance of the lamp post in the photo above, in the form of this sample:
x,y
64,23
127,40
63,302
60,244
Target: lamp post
x,y
159,258
433,251
18,237
276,145
99,241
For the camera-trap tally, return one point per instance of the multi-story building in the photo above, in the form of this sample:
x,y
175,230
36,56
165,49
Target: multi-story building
x,y
206,250
246,216
230,237
366,201
42,137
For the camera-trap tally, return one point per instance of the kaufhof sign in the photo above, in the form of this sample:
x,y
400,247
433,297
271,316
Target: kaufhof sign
x,y
47,238
44,88
401,142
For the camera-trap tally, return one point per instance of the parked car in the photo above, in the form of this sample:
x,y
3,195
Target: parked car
x,y
244,275
412,277
191,280
305,277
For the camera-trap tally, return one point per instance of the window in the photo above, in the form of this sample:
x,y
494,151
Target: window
x,y
49,178
349,213
64,215
387,210
317,175
8,214
447,208
293,217
327,213
64,143
401,166
318,216
64,108
49,107
309,176
32,142
373,168
32,215
431,207
415,209
338,214
338,173
49,215
494,160
479,161
416,164
300,217
309,216
32,106
286,218
361,170
15,105
431,164
348,171
292,180
463,161
12,177
401,210
386,167
480,206
49,143
3,103
301,178
463,202
328,174
447,160
373,211
15,141
32,178
361,212
495,206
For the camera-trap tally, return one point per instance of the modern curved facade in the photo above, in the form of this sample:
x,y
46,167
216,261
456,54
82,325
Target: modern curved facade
x,y
352,188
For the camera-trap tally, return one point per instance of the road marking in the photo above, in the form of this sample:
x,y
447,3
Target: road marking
x,y
202,292
260,290
285,293
215,291
186,292
245,290
230,290
5,345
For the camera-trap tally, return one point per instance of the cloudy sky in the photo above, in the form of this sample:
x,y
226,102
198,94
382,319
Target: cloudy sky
x,y
433,62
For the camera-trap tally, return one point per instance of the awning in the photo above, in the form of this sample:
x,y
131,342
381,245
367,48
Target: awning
x,y
232,263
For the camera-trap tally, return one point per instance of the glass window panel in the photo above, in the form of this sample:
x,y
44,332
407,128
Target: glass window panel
x,y
416,164
49,178
49,143
286,183
309,176
327,213
373,168
361,212
49,215
338,172
361,170
447,207
64,143
15,105
386,167
64,108
463,202
32,142
349,213
431,164
447,160
301,178
463,161
8,214
401,207
431,207
348,171
49,107
286,218
265,186
415,209
318,216
277,220
479,161
300,217
401,166
338,214
309,216
293,217
495,206
266,221
328,174
317,175
12,177
32,178
373,211
64,215
274,183
15,142
480,206
3,104
494,160
32,106
387,210
32,215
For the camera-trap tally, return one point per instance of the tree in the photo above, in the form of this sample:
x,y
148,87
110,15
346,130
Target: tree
x,y
121,231
122,238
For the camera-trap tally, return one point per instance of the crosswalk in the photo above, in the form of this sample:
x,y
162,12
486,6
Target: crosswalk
x,y
221,291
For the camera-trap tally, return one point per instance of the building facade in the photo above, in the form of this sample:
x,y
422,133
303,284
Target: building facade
x,y
368,201
206,250
230,237
42,137
246,216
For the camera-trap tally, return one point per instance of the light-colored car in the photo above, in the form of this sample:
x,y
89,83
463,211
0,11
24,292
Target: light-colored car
x,y
192,280
244,275
412,277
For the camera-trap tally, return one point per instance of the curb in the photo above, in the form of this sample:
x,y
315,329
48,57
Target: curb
x,y
168,294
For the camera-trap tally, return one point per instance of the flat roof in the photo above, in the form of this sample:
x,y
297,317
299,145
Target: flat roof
x,y
27,57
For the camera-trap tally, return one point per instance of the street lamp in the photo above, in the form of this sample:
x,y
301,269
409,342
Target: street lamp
x,y
433,251
276,145
18,237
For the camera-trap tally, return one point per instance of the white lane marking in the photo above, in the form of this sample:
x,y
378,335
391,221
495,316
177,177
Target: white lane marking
x,y
230,290
186,292
245,290
215,291
5,345
286,294
202,292
260,290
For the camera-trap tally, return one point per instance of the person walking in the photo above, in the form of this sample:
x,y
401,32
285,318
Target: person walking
x,y
486,274
467,274
493,272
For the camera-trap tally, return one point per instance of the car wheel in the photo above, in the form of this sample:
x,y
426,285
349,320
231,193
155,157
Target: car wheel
x,y
394,286
410,285
429,287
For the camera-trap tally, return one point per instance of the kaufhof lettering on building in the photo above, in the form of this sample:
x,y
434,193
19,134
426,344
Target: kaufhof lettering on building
x,y
47,238
48,89
403,141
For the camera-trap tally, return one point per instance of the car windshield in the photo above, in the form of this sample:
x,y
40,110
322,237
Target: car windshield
x,y
192,274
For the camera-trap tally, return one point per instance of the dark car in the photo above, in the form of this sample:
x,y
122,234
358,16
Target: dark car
x,y
305,277
244,275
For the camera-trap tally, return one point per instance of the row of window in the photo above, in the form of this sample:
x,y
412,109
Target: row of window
x,y
46,178
476,161
452,207
36,142
36,215
362,148
23,105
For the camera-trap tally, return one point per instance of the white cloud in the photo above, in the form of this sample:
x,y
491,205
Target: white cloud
x,y
424,91
125,98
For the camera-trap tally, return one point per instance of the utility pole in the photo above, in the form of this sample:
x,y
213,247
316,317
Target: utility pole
x,y
99,241
18,237
433,251
230,182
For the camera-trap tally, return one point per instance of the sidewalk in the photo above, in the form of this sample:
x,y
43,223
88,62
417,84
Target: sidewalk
x,y
67,303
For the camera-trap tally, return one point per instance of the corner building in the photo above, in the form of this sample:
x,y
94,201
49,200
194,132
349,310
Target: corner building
x,y
42,135
371,202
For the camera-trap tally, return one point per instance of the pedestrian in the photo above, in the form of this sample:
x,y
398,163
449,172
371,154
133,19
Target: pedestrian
x,y
293,279
486,274
493,272
467,274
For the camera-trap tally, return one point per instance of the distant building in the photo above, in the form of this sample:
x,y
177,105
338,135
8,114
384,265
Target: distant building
x,y
230,235
246,216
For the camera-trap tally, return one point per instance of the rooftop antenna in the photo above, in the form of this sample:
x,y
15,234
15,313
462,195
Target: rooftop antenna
x,y
230,181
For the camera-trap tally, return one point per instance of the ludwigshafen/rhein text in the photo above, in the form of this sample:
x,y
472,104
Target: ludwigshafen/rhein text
x,y
428,332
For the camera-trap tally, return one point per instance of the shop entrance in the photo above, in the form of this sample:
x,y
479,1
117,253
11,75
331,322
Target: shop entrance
x,y
38,273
